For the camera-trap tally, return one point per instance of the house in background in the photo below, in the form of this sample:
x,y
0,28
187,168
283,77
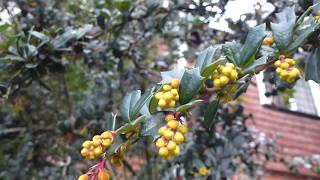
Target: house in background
x,y
296,121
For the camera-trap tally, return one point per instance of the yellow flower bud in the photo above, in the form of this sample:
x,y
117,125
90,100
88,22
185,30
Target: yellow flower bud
x,y
167,96
220,69
171,145
295,72
168,134
173,124
98,151
159,95
183,129
96,142
291,62
278,70
163,151
83,177
226,71
162,130
84,152
224,80
169,117
87,144
103,175
203,171
162,103
174,92
217,83
175,83
277,63
166,87
160,143
106,143
284,65
230,65
176,97
178,138
214,75
176,151
106,135
268,41
233,75
172,103
283,73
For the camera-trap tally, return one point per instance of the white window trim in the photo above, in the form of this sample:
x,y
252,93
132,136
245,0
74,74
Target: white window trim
x,y
264,100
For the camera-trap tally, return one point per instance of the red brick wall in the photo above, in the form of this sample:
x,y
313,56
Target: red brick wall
x,y
298,134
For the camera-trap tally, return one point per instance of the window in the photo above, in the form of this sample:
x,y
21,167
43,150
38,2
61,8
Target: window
x,y
305,98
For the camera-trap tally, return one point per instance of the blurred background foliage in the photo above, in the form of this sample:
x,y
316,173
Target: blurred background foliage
x,y
66,65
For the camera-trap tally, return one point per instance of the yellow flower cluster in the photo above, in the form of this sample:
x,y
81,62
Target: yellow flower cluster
x,y
168,95
224,75
286,70
268,41
171,136
103,174
203,171
95,148
228,93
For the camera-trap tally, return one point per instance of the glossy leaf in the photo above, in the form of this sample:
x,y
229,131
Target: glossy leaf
x,y
312,70
175,73
140,103
232,52
211,113
190,84
189,105
128,105
153,123
205,58
210,68
251,46
261,61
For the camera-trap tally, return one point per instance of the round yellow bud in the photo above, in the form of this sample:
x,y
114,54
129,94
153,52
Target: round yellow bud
x,y
183,129
169,117
83,177
291,62
87,144
106,135
162,103
175,83
178,138
98,151
173,124
103,175
174,92
278,70
295,72
203,171
160,143
168,134
171,145
176,151
176,97
162,130
159,95
284,65
96,142
115,160
172,103
96,137
230,65
106,143
277,63
283,73
226,71
220,69
84,152
163,151
167,96
224,80
268,41
214,75
166,87
233,75
217,83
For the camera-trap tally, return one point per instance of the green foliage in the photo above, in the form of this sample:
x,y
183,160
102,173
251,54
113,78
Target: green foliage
x,y
211,113
191,82
313,67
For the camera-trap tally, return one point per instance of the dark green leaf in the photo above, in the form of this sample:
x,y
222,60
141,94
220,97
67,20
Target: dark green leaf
x,y
303,36
205,58
116,144
190,84
12,57
140,103
232,52
122,5
210,68
261,61
211,113
188,106
128,104
251,46
4,27
287,15
312,70
39,35
152,125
